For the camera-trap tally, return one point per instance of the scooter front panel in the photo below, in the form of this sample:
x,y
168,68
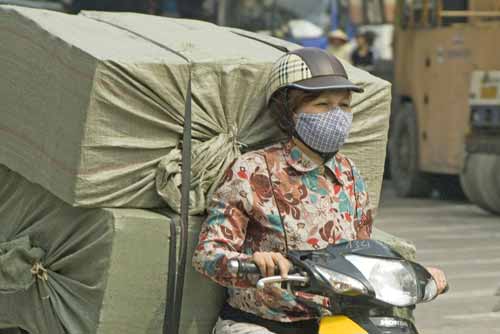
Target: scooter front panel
x,y
339,324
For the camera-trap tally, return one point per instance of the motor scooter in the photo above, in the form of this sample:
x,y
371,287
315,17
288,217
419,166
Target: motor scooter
x,y
363,280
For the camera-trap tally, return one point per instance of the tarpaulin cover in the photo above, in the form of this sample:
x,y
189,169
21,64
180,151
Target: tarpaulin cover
x,y
92,105
84,271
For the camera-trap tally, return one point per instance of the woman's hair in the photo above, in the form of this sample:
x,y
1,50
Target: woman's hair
x,y
285,102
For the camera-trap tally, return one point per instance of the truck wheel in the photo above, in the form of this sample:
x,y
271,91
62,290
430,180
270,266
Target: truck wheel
x,y
448,186
408,180
480,181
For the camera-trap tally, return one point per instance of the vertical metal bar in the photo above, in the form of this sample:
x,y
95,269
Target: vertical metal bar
x,y
185,187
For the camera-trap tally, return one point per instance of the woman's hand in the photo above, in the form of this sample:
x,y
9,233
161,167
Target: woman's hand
x,y
440,278
267,262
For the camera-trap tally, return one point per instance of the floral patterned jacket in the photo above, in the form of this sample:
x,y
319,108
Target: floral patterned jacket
x,y
279,199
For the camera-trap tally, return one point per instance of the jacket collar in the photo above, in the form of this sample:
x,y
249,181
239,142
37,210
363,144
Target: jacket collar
x,y
303,159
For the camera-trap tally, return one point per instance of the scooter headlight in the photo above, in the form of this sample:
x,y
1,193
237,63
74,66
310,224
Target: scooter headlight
x,y
342,284
394,282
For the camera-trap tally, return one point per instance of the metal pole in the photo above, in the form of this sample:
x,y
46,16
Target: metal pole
x,y
185,187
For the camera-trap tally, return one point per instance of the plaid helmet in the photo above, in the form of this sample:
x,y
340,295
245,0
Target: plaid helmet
x,y
310,69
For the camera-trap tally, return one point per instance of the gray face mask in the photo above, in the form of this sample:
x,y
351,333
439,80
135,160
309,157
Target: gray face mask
x,y
324,132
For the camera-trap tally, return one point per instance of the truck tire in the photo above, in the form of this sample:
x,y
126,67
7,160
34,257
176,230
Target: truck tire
x,y
480,181
407,178
448,186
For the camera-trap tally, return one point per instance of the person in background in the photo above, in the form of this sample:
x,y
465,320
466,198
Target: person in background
x,y
363,56
338,45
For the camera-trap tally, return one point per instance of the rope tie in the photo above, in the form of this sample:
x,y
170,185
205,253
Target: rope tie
x,y
39,271
233,136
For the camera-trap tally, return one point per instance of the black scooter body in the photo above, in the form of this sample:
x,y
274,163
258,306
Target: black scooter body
x,y
374,316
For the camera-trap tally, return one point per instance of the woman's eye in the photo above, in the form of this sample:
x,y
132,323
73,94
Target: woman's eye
x,y
323,104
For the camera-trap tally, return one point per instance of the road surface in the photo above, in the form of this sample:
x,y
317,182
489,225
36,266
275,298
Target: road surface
x,y
464,241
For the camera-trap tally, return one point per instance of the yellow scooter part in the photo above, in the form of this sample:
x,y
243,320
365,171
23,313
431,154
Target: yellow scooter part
x,y
339,324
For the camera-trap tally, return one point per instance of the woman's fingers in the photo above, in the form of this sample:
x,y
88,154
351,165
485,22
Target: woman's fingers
x,y
283,264
259,259
269,261
265,262
270,265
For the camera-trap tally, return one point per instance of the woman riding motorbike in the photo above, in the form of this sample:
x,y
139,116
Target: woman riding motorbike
x,y
297,195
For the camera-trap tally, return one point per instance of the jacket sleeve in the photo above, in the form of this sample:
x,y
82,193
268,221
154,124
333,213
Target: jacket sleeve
x,y
363,219
223,233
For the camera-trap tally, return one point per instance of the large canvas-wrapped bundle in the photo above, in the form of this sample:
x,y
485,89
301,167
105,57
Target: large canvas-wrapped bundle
x,y
92,105
90,271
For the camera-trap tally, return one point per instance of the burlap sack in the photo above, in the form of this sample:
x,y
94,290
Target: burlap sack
x,y
90,271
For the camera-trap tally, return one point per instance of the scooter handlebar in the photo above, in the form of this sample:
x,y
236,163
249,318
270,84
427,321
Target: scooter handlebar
x,y
242,268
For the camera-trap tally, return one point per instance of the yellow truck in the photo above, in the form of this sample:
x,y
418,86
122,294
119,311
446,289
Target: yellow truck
x,y
446,120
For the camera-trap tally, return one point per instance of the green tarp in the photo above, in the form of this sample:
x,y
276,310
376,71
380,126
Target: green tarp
x,y
85,271
96,103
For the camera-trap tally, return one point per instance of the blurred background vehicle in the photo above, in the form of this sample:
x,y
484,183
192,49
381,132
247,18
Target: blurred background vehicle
x,y
446,114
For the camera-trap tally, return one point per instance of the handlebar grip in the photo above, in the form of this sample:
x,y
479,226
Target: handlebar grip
x,y
243,268
248,268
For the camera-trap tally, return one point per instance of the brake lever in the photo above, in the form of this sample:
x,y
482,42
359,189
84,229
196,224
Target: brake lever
x,y
278,279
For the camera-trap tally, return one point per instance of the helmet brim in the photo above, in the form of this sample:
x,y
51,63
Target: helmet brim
x,y
327,82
